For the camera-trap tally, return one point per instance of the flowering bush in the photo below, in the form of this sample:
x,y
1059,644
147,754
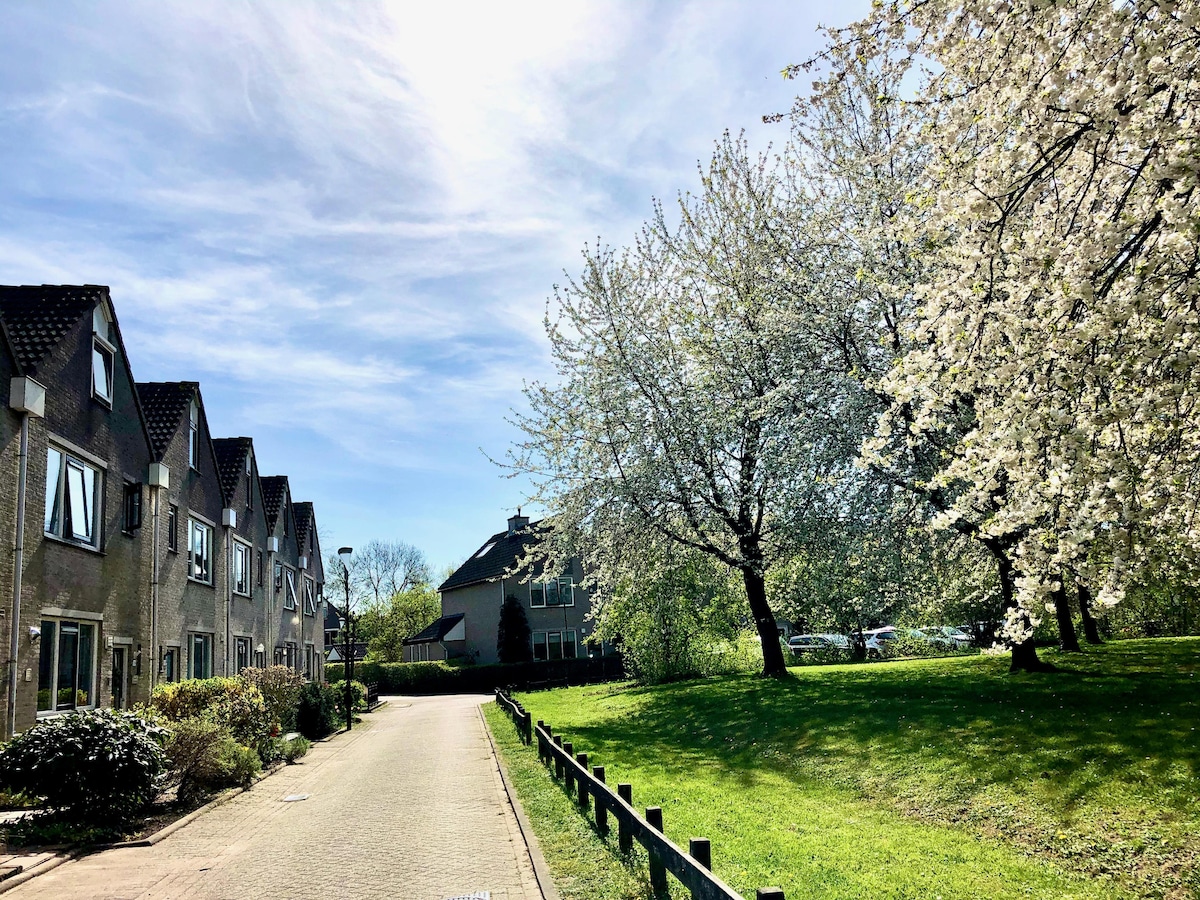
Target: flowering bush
x,y
233,703
280,688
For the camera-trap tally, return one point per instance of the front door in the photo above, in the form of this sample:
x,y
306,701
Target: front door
x,y
120,677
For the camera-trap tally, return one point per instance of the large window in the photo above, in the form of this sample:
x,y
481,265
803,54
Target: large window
x,y
67,665
241,569
555,644
555,592
200,537
73,492
289,596
200,656
169,667
310,662
310,597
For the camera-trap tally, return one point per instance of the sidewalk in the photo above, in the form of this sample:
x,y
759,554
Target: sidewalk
x,y
408,805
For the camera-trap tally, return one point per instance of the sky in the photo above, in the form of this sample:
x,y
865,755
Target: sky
x,y
345,219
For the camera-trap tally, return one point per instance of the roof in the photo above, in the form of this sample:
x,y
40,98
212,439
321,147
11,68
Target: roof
x,y
304,519
358,649
435,631
333,618
37,317
231,463
163,406
274,489
503,551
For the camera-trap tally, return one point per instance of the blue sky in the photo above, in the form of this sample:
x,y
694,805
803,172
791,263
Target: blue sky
x,y
344,220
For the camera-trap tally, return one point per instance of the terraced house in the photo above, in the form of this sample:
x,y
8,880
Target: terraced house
x,y
137,546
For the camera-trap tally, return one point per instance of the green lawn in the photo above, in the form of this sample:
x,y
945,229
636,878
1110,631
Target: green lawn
x,y
933,778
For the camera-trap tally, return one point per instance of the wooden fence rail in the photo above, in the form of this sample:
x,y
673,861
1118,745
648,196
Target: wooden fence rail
x,y
591,790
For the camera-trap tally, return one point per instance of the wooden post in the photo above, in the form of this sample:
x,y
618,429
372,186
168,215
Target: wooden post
x,y
624,837
658,872
601,809
541,748
569,747
528,728
558,766
700,849
769,893
582,759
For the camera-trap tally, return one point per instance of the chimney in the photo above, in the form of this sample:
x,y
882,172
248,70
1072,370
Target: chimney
x,y
517,522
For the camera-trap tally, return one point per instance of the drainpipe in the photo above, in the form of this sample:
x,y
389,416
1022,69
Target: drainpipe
x,y
229,520
272,549
28,397
159,480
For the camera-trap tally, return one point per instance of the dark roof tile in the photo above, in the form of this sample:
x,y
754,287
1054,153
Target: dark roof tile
x,y
503,551
436,630
275,489
39,316
163,405
231,463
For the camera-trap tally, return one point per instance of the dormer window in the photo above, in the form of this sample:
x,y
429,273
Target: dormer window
x,y
194,435
103,354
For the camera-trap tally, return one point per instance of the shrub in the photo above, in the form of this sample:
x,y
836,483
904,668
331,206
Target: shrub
x,y
205,757
296,748
440,678
358,697
316,713
97,766
280,687
234,703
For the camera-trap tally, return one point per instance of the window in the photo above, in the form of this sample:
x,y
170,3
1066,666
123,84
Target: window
x,y
169,669
133,506
103,354
555,644
241,653
194,435
241,569
291,655
555,592
278,577
260,567
310,662
289,597
173,528
260,659
200,656
484,552
310,597
200,551
67,665
72,498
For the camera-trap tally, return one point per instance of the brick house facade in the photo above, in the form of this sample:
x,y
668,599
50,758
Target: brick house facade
x,y
127,544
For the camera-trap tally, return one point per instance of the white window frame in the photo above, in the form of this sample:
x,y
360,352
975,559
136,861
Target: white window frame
x,y
240,641
562,638
63,504
54,643
194,435
241,551
200,570
543,590
310,661
310,596
206,641
104,356
289,588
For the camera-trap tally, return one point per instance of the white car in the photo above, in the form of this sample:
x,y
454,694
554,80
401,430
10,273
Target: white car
x,y
878,639
946,636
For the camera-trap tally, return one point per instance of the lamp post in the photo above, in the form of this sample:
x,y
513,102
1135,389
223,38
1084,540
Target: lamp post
x,y
348,661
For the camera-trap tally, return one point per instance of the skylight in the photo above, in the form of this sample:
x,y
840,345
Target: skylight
x,y
486,547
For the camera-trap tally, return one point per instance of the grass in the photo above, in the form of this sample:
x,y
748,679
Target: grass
x,y
926,778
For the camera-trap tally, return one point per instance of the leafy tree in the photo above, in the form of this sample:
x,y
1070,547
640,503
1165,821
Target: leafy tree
x,y
699,401
385,626
513,635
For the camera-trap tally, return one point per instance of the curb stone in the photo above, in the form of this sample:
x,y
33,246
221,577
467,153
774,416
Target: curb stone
x,y
541,870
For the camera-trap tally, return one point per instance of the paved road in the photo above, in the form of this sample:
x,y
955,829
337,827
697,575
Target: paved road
x,y
410,805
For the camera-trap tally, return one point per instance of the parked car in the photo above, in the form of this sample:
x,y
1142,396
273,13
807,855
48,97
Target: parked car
x,y
877,641
946,636
800,644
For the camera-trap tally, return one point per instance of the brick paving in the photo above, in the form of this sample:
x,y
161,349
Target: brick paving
x,y
408,805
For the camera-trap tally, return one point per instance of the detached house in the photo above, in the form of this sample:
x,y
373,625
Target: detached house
x,y
138,547
555,605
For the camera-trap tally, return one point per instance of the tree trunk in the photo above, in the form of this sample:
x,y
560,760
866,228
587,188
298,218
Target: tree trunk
x,y
1024,654
1068,640
764,620
1091,633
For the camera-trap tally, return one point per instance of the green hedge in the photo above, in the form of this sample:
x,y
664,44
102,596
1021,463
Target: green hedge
x,y
440,678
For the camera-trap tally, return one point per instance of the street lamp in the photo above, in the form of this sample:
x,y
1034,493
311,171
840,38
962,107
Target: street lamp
x,y
348,662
